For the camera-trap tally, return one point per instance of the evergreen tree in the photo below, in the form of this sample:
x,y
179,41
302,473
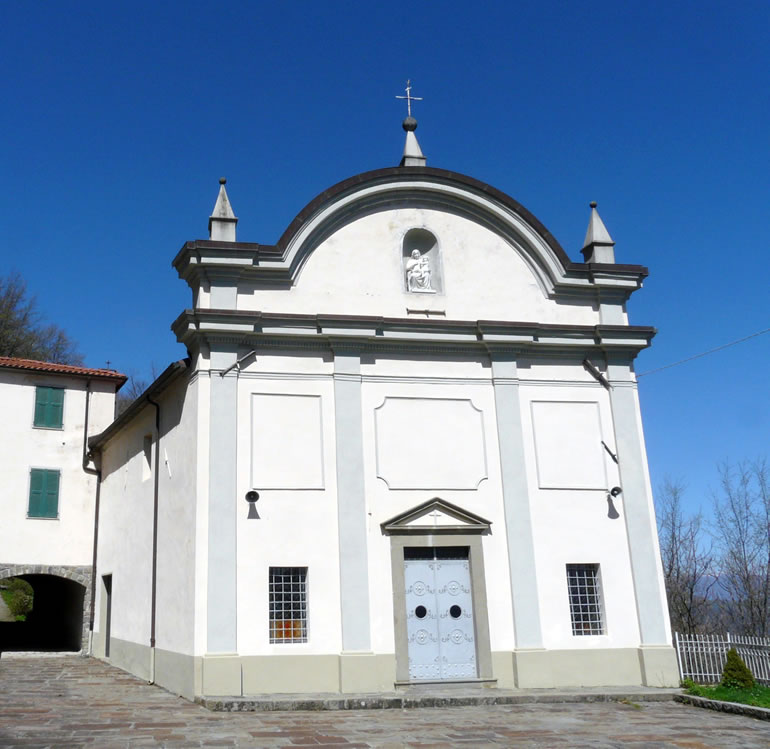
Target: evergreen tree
x,y
736,674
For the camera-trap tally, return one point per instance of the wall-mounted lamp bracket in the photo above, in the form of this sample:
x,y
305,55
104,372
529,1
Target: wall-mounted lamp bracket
x,y
596,374
237,363
252,497
611,454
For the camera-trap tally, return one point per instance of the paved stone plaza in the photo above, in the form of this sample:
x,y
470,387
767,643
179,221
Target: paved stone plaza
x,y
81,702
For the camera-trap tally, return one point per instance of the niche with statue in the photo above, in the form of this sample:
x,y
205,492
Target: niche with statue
x,y
421,262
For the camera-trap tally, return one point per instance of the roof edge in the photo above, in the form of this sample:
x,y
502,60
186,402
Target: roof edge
x,y
71,370
416,172
171,373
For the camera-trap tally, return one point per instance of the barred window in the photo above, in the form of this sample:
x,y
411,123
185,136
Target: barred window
x,y
585,599
288,604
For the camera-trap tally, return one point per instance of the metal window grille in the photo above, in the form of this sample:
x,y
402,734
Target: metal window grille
x,y
288,604
585,599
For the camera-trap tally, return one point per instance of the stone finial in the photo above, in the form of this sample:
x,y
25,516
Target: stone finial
x,y
413,155
598,246
222,220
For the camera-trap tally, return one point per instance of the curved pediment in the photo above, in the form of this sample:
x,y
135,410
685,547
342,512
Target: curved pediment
x,y
408,241
424,188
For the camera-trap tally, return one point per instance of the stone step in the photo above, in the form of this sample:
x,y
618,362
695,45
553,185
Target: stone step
x,y
421,697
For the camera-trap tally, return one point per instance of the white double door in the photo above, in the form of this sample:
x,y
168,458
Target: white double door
x,y
439,615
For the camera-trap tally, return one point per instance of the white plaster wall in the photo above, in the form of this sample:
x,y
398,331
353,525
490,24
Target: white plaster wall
x,y
359,269
297,527
202,435
557,371
177,506
68,539
125,530
384,503
571,526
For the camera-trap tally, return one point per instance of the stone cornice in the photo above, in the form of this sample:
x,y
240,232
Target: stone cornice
x,y
369,333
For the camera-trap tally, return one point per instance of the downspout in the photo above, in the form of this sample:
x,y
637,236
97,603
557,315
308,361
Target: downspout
x,y
94,472
153,594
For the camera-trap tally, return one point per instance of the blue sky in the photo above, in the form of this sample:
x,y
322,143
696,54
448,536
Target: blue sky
x,y
120,117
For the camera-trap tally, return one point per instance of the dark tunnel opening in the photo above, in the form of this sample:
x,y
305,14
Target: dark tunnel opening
x,y
56,620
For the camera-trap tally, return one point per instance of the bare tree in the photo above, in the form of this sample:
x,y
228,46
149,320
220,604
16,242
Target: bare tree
x,y
687,561
22,331
742,535
135,386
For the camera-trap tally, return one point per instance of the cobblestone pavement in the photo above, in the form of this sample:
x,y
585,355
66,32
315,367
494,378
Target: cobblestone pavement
x,y
81,702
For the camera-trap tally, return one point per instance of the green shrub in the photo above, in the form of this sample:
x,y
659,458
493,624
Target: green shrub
x,y
19,597
20,605
736,673
17,585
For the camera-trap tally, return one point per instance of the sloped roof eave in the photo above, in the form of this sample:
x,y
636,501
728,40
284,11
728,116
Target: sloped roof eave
x,y
168,376
43,367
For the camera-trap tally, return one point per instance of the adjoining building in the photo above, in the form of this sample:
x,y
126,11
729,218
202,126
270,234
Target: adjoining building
x,y
46,533
406,446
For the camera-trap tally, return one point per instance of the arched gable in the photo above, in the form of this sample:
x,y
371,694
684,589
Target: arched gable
x,y
491,259
425,187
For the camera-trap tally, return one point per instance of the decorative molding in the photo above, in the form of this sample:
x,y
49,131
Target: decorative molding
x,y
408,459
408,522
408,379
397,335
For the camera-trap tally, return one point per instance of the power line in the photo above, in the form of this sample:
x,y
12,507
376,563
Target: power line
x,y
705,353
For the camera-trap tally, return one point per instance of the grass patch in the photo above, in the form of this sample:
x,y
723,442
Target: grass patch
x,y
757,696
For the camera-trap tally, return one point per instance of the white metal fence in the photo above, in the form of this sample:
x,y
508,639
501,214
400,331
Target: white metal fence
x,y
702,657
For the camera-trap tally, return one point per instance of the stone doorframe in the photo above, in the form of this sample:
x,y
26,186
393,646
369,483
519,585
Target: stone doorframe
x,y
78,574
439,523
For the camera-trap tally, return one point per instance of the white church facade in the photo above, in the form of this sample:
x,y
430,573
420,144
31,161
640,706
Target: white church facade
x,y
406,447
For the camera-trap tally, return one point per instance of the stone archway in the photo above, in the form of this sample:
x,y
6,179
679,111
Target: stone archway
x,y
65,590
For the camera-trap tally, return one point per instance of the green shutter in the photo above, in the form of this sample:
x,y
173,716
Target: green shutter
x,y
43,493
51,498
41,406
49,404
36,483
55,411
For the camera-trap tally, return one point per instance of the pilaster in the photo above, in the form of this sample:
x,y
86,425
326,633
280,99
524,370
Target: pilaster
x,y
518,518
351,503
222,549
637,505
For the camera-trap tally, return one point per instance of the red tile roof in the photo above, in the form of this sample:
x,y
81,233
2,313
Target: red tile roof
x,y
69,369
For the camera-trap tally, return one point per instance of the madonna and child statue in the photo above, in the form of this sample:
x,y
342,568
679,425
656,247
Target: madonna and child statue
x,y
418,274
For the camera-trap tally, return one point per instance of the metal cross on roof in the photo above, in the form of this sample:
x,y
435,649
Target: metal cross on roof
x,y
409,98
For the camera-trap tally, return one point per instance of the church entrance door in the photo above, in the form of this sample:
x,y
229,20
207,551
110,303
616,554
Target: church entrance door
x,y
439,613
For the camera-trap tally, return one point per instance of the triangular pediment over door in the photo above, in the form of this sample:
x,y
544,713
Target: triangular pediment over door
x,y
436,516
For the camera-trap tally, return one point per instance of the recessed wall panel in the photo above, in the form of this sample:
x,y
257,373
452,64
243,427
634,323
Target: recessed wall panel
x,y
430,443
286,441
568,445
